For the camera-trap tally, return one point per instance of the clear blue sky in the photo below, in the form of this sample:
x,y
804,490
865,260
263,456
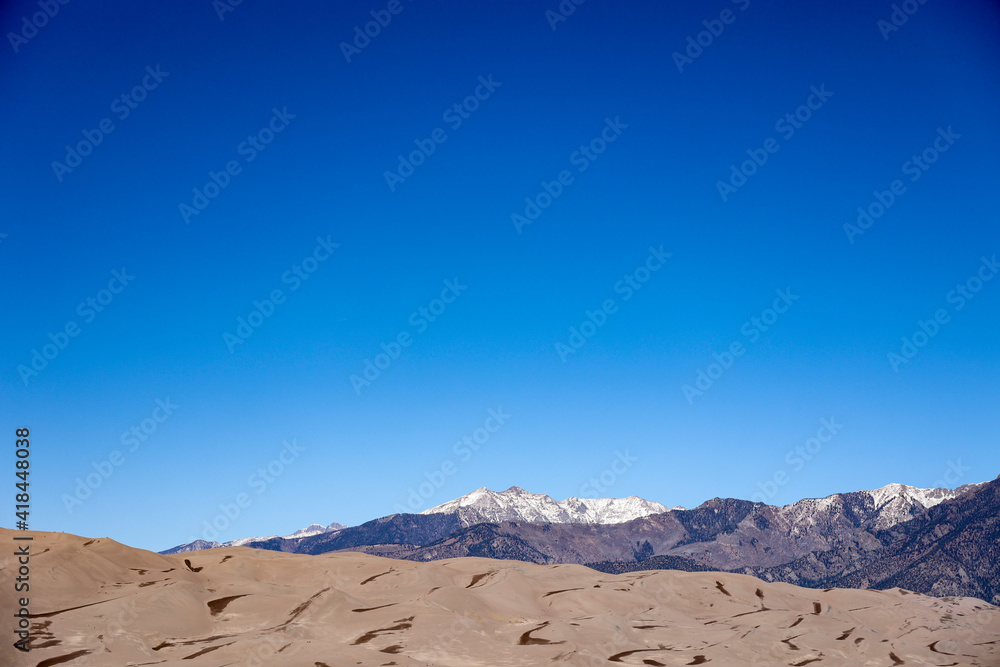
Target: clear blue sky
x,y
651,181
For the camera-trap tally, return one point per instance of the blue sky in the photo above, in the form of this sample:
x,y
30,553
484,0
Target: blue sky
x,y
623,152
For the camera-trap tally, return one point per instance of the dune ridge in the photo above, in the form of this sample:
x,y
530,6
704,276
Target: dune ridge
x,y
97,602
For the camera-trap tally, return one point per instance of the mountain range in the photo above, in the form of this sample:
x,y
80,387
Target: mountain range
x,y
934,541
308,531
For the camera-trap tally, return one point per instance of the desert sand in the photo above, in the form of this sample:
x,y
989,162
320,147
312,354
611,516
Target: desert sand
x,y
97,602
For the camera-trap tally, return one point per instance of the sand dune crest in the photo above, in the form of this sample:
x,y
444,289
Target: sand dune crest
x,y
97,602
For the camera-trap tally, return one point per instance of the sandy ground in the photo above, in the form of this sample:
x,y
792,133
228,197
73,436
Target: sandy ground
x,y
97,602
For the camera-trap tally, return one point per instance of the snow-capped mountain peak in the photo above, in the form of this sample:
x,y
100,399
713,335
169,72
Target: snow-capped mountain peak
x,y
315,529
897,503
308,531
516,504
311,529
923,497
243,541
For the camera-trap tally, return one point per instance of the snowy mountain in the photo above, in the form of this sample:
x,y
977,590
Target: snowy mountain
x,y
314,529
881,508
897,503
197,545
516,504
308,531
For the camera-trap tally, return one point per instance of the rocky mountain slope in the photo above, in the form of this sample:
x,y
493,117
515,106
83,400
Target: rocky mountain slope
x,y
952,549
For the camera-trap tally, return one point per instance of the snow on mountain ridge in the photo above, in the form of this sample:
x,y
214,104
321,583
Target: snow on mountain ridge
x,y
897,503
315,529
308,531
892,504
516,504
925,497
896,492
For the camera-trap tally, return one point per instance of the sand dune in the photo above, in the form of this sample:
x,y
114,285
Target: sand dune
x,y
97,602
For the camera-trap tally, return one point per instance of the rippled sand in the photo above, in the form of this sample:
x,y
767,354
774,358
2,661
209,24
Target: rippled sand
x,y
97,602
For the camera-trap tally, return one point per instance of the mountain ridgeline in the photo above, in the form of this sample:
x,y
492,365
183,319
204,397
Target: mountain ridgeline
x,y
934,541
